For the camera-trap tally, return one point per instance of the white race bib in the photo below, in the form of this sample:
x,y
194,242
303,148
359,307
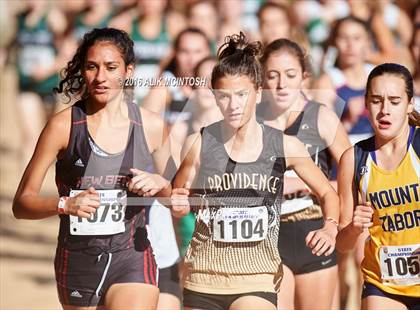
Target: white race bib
x,y
400,265
108,218
240,224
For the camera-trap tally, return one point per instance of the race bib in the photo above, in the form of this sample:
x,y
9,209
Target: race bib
x,y
108,218
400,265
240,224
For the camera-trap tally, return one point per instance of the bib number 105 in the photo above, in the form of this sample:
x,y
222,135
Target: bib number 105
x,y
240,224
400,264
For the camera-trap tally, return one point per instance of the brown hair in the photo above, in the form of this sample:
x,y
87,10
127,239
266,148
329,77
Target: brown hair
x,y
291,47
402,72
238,57
72,82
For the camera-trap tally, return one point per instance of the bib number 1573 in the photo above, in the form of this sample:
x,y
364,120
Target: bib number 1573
x,y
108,218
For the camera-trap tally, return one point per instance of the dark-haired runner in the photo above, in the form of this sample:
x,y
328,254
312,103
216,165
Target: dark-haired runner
x,y
285,107
233,261
106,150
385,171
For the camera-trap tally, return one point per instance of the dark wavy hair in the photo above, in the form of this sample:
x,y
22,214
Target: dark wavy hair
x,y
403,73
238,57
72,82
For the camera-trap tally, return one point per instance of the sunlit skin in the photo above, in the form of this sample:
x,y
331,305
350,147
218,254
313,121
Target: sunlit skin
x,y
352,44
104,71
284,80
191,49
236,98
388,106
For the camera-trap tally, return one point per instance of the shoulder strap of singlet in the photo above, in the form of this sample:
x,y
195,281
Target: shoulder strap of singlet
x,y
78,142
137,137
361,153
311,112
414,149
415,142
260,110
78,121
279,165
134,114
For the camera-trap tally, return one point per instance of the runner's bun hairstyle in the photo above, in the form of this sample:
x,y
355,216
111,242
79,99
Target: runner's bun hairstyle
x,y
238,57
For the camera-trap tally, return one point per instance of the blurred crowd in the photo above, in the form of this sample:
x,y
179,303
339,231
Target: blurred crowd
x,y
343,39
179,39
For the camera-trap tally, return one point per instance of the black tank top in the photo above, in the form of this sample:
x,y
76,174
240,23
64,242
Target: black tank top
x,y
81,168
221,176
230,184
305,128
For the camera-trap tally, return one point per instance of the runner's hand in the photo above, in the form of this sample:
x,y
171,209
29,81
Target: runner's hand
x,y
322,241
179,201
83,204
362,217
146,184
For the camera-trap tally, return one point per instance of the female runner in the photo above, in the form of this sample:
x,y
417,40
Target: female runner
x,y
106,150
384,171
237,167
285,107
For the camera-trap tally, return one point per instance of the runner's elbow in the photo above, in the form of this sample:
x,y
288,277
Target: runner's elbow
x,y
17,209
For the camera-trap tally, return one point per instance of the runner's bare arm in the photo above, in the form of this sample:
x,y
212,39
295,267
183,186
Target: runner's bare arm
x,y
336,140
28,204
298,158
351,214
321,241
186,175
190,157
323,91
333,133
158,142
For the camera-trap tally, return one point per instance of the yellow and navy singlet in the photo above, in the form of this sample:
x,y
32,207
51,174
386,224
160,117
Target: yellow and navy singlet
x,y
392,253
